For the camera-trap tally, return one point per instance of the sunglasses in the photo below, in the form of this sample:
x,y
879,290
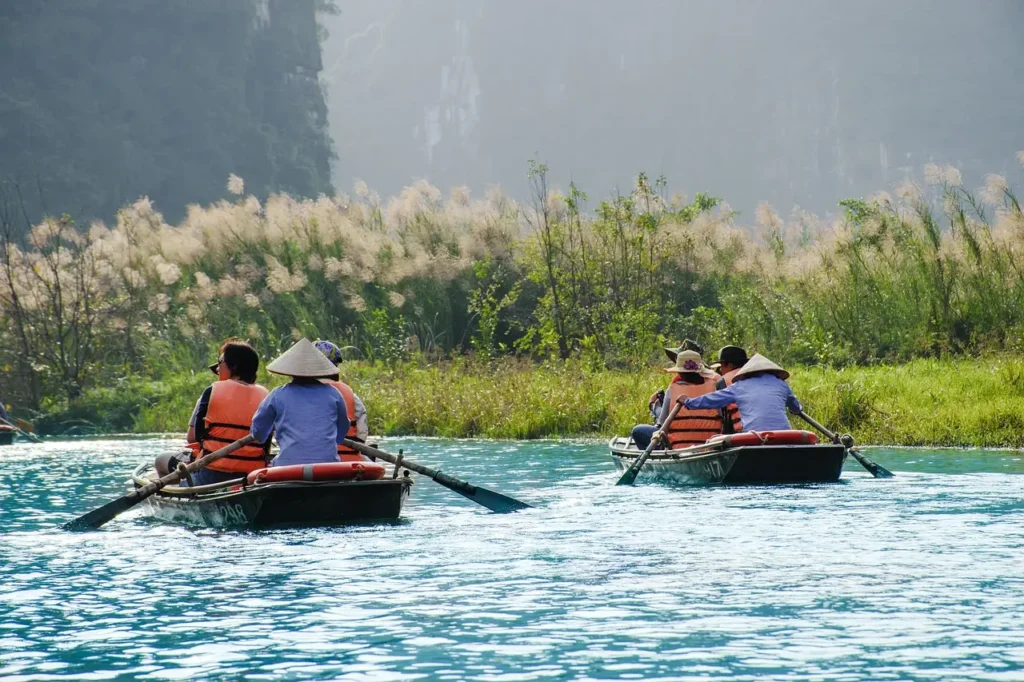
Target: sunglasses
x,y
215,366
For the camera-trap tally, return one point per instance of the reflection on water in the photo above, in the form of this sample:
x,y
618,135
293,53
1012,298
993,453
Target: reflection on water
x,y
918,577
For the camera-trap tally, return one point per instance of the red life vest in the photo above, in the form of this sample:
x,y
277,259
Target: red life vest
x,y
732,410
692,427
228,418
346,453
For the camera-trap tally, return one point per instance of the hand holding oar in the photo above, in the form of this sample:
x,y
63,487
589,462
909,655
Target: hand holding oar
x,y
28,435
631,473
494,501
97,517
876,469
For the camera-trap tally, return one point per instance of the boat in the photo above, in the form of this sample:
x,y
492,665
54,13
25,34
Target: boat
x,y
6,434
273,497
743,458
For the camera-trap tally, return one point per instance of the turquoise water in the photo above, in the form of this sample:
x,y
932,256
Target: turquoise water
x,y
917,578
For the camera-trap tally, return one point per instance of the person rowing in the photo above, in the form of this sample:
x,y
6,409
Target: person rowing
x,y
730,360
760,391
309,419
691,426
358,429
222,415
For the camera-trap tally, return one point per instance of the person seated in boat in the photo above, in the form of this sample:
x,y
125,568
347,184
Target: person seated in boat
x,y
657,400
730,360
690,426
760,391
222,415
308,418
358,429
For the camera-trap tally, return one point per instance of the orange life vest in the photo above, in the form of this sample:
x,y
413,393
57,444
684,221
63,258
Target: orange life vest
x,y
228,418
692,427
346,453
732,410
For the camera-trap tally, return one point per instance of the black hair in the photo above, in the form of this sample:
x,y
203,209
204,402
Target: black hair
x,y
241,360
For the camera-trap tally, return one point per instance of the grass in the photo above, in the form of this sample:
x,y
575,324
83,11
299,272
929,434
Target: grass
x,y
970,403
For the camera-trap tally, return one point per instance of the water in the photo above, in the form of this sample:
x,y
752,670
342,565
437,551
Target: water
x,y
916,578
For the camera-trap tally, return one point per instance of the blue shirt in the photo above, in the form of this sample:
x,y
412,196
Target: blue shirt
x,y
762,401
309,421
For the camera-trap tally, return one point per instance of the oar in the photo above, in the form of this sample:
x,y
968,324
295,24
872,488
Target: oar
x,y
876,469
97,517
494,501
28,435
631,473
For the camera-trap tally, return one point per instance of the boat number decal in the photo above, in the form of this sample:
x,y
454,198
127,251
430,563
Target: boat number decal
x,y
235,513
713,468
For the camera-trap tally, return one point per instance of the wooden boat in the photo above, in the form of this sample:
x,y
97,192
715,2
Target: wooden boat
x,y
279,503
729,460
6,434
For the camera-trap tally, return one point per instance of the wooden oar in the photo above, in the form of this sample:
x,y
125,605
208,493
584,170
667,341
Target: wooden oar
x,y
876,469
97,517
631,473
494,501
17,428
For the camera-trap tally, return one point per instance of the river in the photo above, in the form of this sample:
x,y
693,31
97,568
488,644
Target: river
x,y
916,578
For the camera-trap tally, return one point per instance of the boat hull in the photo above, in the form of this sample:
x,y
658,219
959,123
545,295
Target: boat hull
x,y
295,503
763,464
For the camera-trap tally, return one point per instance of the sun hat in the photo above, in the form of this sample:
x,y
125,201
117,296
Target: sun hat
x,y
687,361
303,360
687,344
759,364
730,355
330,350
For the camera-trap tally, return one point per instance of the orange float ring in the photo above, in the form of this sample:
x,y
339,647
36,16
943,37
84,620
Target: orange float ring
x,y
326,471
748,438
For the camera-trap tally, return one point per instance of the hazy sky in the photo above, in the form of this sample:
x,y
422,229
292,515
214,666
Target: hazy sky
x,y
797,102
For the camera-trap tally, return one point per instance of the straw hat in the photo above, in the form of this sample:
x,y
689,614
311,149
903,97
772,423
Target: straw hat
x,y
686,345
687,361
759,364
303,360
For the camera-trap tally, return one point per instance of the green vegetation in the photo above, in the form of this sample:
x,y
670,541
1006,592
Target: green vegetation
x,y
923,402
477,308
102,101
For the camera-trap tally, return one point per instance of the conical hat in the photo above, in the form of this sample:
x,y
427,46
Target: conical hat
x,y
303,360
758,365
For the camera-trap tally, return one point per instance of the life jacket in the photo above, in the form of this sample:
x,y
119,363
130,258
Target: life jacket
x,y
345,453
692,427
229,418
732,410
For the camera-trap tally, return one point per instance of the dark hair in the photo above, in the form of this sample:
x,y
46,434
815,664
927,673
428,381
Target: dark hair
x,y
241,360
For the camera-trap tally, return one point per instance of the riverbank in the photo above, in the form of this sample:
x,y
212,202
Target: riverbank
x,y
967,403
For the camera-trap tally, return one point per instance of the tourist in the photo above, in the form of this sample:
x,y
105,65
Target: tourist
x,y
357,430
223,414
656,402
760,391
730,360
690,426
309,418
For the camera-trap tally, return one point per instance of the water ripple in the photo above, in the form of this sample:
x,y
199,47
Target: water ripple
x,y
917,578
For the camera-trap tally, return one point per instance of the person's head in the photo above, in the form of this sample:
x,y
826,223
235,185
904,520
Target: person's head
x,y
730,358
304,363
688,367
330,351
758,366
687,344
237,361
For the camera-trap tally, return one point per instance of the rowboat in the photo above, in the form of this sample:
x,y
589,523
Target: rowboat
x,y
735,460
6,434
256,502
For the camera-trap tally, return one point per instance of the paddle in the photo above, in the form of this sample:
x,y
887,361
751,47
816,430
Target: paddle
x,y
97,517
28,435
876,469
496,502
631,473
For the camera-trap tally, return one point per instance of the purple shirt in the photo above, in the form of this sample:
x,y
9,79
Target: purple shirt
x,y
762,401
308,420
